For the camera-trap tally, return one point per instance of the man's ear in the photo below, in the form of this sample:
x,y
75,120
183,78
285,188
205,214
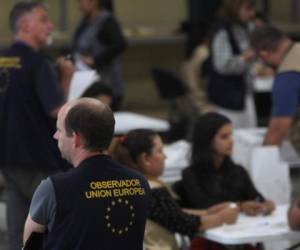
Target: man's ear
x,y
23,25
76,140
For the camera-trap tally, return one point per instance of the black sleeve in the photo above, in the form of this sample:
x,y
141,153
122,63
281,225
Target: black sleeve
x,y
250,191
48,86
166,212
116,43
194,194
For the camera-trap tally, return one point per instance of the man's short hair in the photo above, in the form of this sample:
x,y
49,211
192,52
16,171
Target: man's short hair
x,y
95,125
266,38
19,10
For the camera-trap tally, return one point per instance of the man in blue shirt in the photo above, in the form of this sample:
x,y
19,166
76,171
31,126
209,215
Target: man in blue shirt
x,y
279,51
31,93
98,204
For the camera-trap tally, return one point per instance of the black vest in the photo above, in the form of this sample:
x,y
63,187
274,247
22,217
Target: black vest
x,y
26,129
227,91
100,205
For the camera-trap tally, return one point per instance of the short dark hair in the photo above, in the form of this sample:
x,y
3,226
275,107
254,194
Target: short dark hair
x,y
97,88
266,38
19,10
95,124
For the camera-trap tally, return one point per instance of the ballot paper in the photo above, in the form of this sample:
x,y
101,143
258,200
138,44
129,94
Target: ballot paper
x,y
81,81
249,229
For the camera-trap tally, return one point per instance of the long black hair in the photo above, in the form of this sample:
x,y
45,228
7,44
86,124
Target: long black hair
x,y
205,129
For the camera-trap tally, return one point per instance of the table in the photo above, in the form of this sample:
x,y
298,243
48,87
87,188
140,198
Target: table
x,y
127,121
254,229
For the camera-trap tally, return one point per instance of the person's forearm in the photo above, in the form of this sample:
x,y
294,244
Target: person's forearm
x,y
197,212
210,221
274,137
31,226
294,217
224,61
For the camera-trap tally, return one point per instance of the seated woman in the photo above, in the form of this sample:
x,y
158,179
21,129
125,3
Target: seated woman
x,y
213,178
142,149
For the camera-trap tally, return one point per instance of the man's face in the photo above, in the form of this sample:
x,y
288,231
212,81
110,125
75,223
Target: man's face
x,y
64,141
86,6
39,26
270,57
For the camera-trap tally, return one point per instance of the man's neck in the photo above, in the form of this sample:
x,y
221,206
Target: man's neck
x,y
28,41
83,155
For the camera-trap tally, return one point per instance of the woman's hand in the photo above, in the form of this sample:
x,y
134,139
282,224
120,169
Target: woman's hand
x,y
268,207
251,207
216,208
229,215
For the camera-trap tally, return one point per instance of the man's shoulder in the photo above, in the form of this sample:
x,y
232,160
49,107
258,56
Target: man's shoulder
x,y
24,54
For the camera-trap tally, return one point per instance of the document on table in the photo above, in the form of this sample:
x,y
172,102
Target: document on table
x,y
254,229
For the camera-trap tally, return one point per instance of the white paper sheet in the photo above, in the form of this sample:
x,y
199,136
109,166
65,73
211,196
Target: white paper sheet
x,y
81,81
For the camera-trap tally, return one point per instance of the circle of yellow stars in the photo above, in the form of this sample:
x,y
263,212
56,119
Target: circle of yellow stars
x,y
114,229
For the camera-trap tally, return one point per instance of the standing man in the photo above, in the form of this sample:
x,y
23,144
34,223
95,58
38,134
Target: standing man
x,y
31,93
99,204
279,51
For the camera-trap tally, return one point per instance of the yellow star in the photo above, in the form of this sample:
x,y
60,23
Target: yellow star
x,y
119,200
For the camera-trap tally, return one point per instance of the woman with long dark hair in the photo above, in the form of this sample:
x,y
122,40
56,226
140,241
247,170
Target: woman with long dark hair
x,y
213,178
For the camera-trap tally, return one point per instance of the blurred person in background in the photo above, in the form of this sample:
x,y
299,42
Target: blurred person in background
x,y
31,94
98,43
229,63
280,52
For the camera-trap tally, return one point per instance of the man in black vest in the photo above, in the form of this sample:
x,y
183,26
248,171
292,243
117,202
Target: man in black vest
x,y
31,93
99,204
